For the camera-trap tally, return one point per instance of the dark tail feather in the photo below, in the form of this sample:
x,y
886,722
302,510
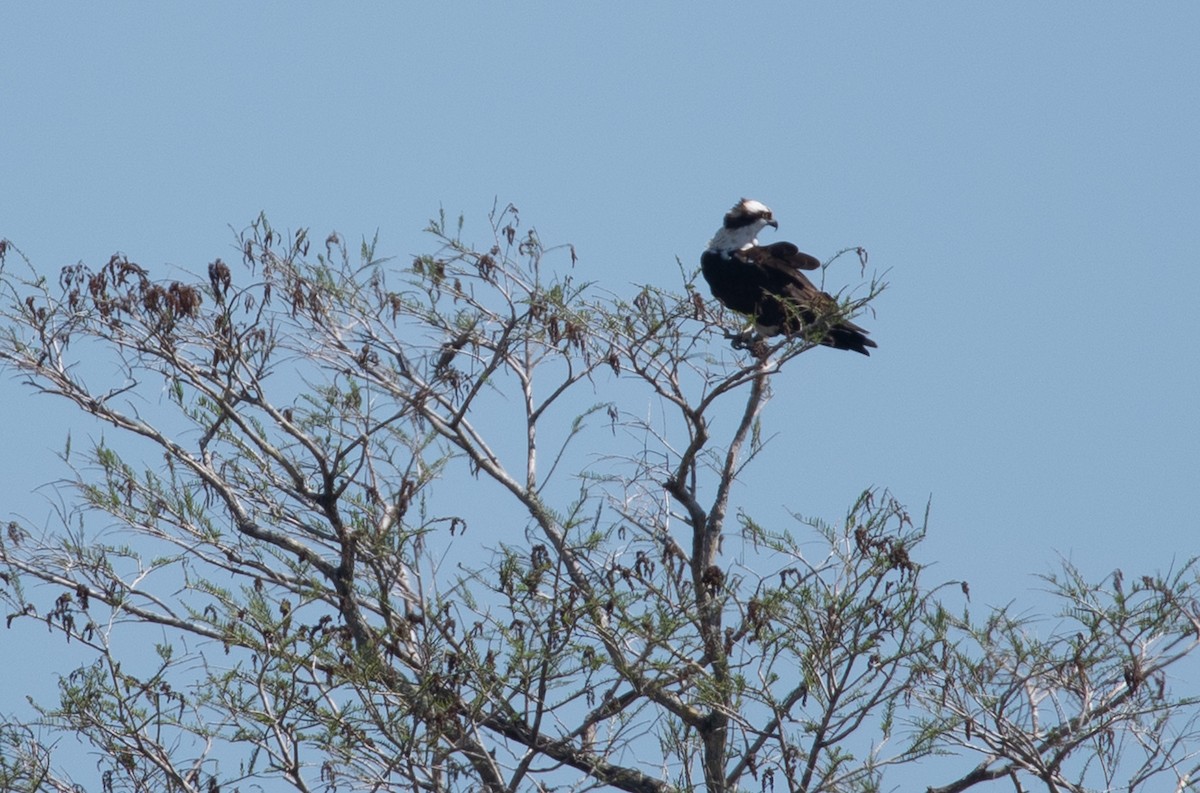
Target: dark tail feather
x,y
848,336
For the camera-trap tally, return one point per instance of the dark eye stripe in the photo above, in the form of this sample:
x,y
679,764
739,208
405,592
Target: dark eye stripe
x,y
733,221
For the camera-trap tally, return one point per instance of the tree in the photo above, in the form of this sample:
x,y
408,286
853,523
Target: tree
x,y
413,527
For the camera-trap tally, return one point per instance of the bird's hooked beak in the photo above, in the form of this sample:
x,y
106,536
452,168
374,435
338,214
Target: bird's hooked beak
x,y
773,224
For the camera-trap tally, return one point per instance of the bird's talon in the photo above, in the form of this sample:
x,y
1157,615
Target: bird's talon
x,y
742,341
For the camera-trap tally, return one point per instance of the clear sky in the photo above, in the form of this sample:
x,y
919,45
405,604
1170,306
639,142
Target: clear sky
x,y
1028,174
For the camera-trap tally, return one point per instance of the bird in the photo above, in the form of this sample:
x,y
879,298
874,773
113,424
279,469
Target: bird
x,y
765,283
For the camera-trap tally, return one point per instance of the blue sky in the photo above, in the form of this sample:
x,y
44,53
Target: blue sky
x,y
1028,174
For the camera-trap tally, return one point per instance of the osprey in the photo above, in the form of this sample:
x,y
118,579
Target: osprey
x,y
765,283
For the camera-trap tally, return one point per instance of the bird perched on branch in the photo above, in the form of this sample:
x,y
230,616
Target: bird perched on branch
x,y
765,283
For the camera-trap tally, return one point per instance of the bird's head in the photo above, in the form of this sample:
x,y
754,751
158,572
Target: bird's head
x,y
750,213
742,224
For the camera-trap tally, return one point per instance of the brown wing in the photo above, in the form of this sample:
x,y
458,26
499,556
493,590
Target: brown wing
x,y
780,254
790,303
807,307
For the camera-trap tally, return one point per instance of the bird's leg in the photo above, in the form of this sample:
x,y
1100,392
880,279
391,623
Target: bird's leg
x,y
745,339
